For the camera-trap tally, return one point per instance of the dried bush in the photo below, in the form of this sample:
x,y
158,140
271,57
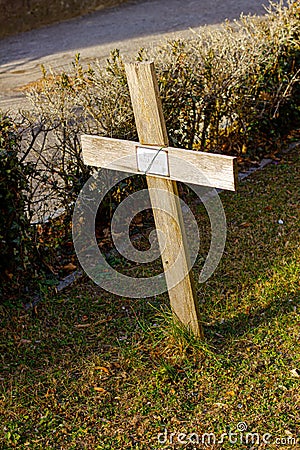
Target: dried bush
x,y
234,90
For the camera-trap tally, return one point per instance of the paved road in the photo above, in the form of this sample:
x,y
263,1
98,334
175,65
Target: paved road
x,y
127,27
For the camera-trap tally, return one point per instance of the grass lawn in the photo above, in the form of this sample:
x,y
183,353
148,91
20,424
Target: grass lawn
x,y
90,370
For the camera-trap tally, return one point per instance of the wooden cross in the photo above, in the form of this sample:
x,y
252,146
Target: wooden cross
x,y
220,171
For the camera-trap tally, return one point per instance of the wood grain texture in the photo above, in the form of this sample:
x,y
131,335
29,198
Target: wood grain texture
x,y
152,131
206,169
182,294
146,103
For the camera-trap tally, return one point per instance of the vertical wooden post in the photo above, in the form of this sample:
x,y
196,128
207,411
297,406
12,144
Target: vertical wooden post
x,y
151,129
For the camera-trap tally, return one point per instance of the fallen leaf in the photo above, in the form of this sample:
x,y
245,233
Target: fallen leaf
x,y
104,369
245,224
83,325
100,389
231,393
70,267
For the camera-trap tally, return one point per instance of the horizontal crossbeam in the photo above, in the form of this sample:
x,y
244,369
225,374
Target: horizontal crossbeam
x,y
206,169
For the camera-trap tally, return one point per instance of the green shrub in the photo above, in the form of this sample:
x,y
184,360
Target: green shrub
x,y
15,242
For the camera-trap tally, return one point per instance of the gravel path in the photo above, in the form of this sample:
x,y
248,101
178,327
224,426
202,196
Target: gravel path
x,y
127,27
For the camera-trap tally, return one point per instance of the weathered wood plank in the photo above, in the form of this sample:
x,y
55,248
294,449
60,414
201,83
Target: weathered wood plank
x,y
146,104
152,131
206,169
182,295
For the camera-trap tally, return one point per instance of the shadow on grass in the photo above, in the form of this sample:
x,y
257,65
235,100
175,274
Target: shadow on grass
x,y
222,334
